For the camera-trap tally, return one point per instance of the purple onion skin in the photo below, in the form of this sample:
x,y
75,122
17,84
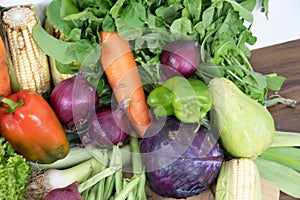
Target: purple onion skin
x,y
108,128
67,193
74,105
188,172
181,55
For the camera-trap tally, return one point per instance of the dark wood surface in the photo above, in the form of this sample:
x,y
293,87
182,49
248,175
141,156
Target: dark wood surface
x,y
283,59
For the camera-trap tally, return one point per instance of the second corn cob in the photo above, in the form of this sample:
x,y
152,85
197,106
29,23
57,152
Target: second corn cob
x,y
56,75
238,180
30,64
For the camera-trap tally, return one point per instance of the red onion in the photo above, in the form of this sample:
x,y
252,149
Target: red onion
x,y
74,101
109,127
182,55
67,193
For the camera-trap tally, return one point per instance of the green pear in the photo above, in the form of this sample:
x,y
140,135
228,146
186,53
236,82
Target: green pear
x,y
245,127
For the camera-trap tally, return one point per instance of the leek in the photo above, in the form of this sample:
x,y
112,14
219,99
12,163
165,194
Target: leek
x,y
52,179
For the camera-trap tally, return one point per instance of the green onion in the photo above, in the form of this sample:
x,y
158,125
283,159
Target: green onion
x,y
75,156
58,178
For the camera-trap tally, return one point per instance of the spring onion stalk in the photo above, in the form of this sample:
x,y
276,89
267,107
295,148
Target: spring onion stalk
x,y
75,156
106,179
63,178
49,179
283,138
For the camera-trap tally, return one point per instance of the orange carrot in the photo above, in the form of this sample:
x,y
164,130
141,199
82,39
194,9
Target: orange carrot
x,y
5,87
123,76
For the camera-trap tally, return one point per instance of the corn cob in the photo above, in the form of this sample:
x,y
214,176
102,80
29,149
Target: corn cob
x,y
29,62
238,180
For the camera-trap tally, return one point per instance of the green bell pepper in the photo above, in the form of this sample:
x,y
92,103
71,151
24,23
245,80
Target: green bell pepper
x,y
188,99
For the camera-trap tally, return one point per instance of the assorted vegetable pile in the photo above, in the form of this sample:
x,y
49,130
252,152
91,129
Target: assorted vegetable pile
x,y
157,94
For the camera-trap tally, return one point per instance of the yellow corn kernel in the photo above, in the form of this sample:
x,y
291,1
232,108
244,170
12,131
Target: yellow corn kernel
x,y
238,180
29,61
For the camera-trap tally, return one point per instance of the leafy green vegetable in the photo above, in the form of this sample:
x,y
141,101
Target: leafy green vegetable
x,y
265,7
54,16
15,172
64,51
221,27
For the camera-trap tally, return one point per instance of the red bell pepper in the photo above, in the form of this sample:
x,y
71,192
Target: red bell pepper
x,y
28,122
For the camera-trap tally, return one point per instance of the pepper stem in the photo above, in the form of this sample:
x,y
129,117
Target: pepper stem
x,y
12,105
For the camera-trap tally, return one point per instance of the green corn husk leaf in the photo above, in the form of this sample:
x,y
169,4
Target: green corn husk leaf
x,y
288,156
283,138
286,178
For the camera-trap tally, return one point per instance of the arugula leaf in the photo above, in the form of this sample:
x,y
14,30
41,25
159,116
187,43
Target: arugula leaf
x,y
244,13
168,13
244,38
224,44
182,25
193,9
231,25
275,82
265,7
259,79
248,4
208,16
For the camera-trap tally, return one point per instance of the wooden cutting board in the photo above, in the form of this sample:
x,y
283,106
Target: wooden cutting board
x,y
283,59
